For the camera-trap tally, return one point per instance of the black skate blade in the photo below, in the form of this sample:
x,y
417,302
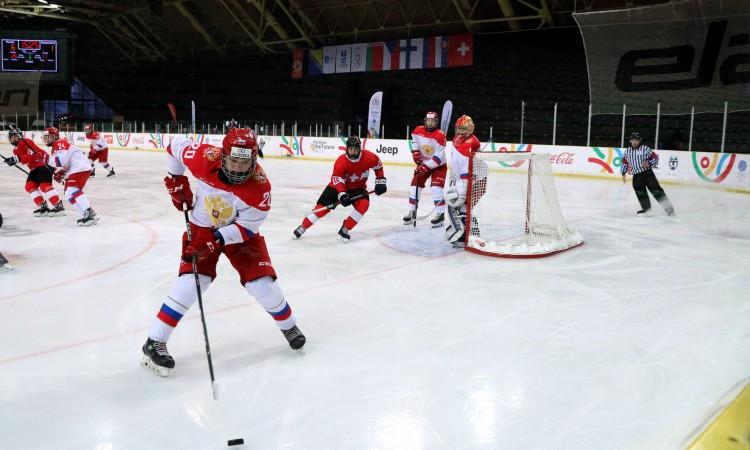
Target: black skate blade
x,y
149,365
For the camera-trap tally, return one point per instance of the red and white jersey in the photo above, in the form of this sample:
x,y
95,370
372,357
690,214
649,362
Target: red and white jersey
x,y
353,175
461,151
31,154
236,210
69,158
97,141
431,145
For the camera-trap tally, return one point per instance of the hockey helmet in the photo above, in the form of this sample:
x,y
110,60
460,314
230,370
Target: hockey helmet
x,y
353,148
89,130
465,126
15,135
50,135
431,120
239,153
635,136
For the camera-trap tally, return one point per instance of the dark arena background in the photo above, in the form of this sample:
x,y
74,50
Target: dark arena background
x,y
636,339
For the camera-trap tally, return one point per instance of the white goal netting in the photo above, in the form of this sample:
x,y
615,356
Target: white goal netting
x,y
515,212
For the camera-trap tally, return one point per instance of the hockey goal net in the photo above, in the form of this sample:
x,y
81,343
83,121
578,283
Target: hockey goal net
x,y
512,207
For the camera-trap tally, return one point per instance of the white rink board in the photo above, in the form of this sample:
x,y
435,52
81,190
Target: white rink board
x,y
728,170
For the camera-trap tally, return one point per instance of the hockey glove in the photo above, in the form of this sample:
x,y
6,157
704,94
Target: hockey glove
x,y
178,187
200,252
453,199
92,154
59,176
421,169
417,155
344,199
12,161
380,186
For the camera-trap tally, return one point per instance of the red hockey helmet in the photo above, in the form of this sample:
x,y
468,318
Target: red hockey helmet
x,y
464,126
50,135
89,130
431,120
239,153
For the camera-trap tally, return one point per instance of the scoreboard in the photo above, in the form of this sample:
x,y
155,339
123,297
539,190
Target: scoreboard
x,y
25,55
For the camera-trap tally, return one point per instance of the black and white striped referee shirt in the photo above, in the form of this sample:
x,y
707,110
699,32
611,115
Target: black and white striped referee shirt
x,y
633,159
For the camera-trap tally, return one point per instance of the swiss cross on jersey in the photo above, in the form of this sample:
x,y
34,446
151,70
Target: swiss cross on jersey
x,y
353,175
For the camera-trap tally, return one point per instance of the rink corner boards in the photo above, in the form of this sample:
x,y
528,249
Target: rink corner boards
x,y
729,429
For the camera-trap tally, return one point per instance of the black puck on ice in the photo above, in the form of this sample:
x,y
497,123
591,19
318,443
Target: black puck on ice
x,y
232,442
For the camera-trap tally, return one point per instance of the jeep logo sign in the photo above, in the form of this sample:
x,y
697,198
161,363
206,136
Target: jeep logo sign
x,y
387,150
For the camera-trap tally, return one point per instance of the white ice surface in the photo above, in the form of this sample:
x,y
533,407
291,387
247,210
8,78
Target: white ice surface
x,y
627,342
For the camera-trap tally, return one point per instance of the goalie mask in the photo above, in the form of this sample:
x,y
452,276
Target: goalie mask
x,y
464,126
239,152
353,148
50,135
431,120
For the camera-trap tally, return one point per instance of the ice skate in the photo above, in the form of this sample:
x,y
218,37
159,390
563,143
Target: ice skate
x,y
344,235
438,220
408,218
157,359
111,173
58,210
295,337
42,211
89,218
299,231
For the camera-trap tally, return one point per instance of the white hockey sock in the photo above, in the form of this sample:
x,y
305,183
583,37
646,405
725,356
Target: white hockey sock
x,y
181,297
268,293
438,199
413,197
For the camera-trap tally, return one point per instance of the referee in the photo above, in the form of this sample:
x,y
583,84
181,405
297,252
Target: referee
x,y
639,159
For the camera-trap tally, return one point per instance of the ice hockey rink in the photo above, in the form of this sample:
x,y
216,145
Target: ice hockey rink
x,y
632,341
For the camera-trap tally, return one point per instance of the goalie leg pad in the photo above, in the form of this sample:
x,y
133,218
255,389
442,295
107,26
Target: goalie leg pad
x,y
456,220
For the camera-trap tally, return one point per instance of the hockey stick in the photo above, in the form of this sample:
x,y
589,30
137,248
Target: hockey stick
x,y
335,204
214,385
15,165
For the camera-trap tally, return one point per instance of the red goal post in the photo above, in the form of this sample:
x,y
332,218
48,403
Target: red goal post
x,y
512,207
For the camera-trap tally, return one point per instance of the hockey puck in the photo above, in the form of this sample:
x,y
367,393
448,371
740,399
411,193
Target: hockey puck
x,y
232,442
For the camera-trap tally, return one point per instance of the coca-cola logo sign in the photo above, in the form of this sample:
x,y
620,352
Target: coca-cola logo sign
x,y
564,158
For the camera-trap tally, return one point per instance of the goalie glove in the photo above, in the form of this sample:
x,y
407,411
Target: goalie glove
x,y
453,198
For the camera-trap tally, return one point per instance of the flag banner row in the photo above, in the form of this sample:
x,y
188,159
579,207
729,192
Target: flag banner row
x,y
418,53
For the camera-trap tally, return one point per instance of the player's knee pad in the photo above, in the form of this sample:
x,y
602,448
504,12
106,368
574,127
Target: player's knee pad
x,y
267,291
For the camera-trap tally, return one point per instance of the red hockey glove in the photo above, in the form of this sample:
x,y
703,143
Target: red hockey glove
x,y
417,155
92,154
421,169
200,252
178,187
59,176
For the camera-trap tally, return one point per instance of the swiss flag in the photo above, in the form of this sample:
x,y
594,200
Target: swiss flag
x,y
460,50
297,56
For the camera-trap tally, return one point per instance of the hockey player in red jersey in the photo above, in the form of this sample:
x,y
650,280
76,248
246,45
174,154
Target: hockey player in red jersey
x,y
39,182
428,151
72,168
231,202
348,186
98,151
464,145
